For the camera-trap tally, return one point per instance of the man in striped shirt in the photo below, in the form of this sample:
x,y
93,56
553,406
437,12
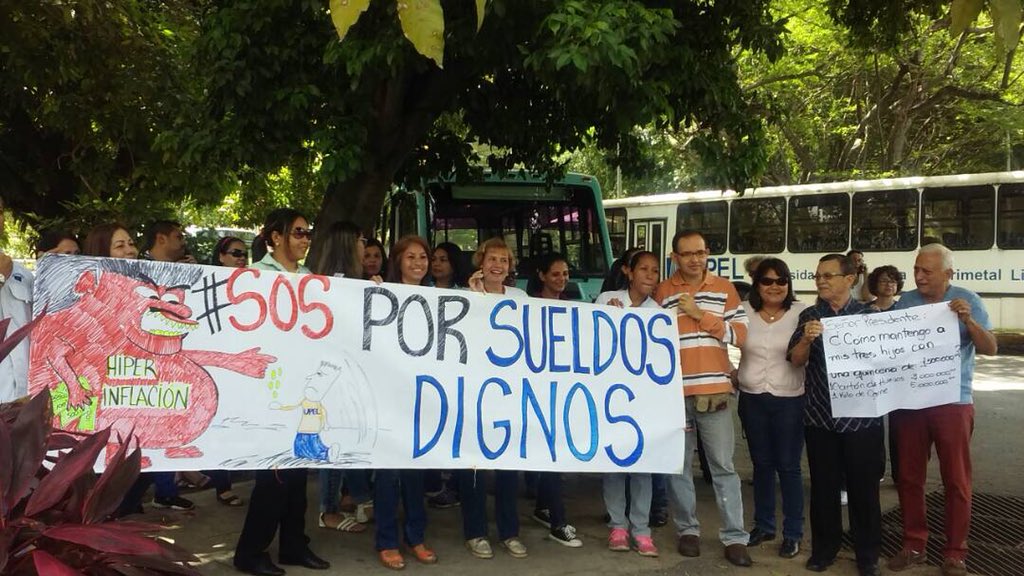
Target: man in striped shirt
x,y
710,318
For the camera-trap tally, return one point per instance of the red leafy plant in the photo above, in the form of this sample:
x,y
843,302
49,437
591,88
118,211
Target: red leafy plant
x,y
55,520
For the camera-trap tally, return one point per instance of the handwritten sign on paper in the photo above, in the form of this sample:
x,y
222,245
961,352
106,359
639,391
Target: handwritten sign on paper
x,y
882,362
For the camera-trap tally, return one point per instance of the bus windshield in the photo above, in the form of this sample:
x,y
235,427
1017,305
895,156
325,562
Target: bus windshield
x,y
534,219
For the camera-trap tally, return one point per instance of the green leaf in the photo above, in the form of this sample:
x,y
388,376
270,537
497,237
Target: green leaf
x,y
480,5
344,14
1006,16
962,13
423,24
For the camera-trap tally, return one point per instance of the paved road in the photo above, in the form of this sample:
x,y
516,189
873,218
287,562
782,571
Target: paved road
x,y
211,530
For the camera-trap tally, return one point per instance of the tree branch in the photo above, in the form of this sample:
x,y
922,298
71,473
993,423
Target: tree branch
x,y
783,78
950,91
954,56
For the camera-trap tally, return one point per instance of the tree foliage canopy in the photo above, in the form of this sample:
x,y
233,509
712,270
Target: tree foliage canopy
x,y
85,90
127,109
933,94
538,78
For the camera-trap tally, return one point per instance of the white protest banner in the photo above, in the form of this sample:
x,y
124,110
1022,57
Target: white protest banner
x,y
882,362
238,368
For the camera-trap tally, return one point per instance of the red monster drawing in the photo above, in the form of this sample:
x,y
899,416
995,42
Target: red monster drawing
x,y
110,351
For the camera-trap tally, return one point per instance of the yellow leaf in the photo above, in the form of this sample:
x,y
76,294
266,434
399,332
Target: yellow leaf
x,y
423,24
480,5
962,13
1006,15
344,14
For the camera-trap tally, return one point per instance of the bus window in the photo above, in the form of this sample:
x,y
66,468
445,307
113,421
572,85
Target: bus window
x,y
962,218
711,219
819,223
616,220
757,226
885,221
1011,216
532,221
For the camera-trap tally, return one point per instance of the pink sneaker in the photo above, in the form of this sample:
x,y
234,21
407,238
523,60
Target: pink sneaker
x,y
618,540
645,546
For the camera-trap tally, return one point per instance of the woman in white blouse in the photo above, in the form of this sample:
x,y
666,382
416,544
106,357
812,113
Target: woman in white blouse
x,y
772,405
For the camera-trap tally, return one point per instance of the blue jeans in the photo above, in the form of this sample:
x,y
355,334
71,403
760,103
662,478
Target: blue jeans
x,y
357,480
613,489
549,497
165,485
775,436
473,491
390,486
719,439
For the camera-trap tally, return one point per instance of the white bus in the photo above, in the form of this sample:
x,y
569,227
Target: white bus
x,y
979,216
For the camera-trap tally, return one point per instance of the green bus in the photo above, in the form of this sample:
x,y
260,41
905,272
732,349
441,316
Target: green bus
x,y
534,217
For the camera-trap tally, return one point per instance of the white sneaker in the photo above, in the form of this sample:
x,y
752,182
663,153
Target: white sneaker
x,y
566,536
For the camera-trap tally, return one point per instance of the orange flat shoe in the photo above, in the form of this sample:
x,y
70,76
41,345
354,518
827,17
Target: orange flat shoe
x,y
423,554
392,559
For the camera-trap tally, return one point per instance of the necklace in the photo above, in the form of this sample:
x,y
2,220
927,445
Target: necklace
x,y
768,316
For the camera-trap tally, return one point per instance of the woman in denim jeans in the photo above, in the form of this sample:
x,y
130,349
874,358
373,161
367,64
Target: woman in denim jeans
x,y
341,254
772,405
641,277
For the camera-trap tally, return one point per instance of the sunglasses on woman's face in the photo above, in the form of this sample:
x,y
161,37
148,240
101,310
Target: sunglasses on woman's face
x,y
302,233
237,253
765,281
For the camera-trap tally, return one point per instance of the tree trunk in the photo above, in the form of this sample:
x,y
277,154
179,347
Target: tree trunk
x,y
357,200
406,106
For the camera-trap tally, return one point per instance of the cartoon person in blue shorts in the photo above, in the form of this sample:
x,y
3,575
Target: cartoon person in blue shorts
x,y
308,443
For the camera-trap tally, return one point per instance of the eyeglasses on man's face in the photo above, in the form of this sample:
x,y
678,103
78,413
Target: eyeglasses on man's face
x,y
695,254
828,276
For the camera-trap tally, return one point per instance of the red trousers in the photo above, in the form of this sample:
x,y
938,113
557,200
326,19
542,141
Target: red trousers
x,y
949,428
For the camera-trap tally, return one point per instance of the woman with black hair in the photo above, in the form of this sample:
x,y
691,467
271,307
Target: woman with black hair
x,y
409,265
54,241
550,278
375,259
629,510
278,501
884,283
771,405
446,266
549,281
230,251
341,254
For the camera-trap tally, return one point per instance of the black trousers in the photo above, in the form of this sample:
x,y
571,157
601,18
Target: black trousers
x,y
278,501
857,456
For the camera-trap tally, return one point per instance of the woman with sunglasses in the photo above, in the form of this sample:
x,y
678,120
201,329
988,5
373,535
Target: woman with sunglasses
x,y
230,251
278,501
772,405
